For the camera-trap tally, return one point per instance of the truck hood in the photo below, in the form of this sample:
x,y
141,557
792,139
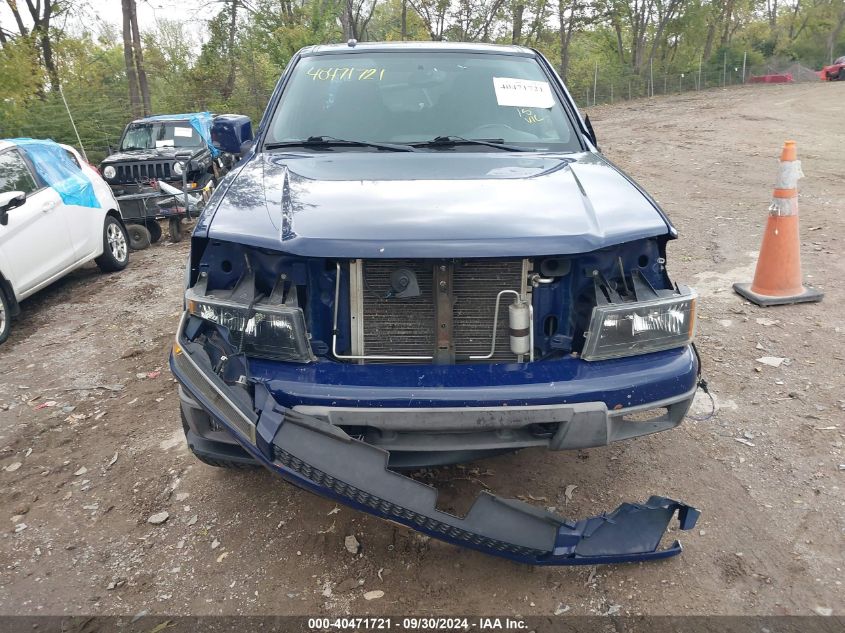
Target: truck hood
x,y
436,204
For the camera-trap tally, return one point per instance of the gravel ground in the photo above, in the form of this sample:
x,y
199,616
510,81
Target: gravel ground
x,y
91,445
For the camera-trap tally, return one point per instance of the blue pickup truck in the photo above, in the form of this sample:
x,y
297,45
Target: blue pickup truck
x,y
422,258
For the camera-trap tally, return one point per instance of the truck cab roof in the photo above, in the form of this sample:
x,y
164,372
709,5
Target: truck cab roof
x,y
444,47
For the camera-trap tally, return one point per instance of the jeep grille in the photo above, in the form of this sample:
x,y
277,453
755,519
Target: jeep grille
x,y
142,172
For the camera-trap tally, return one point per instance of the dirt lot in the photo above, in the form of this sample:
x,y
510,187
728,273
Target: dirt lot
x,y
94,430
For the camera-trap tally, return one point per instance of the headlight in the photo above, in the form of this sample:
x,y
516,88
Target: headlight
x,y
266,331
177,168
627,329
109,172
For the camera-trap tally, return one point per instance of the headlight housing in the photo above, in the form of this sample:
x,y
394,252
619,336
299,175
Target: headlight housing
x,y
109,172
272,331
628,329
177,168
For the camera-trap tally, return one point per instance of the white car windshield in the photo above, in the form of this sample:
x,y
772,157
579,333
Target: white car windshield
x,y
415,97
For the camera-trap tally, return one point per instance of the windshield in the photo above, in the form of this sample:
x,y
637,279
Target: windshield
x,y
414,97
161,134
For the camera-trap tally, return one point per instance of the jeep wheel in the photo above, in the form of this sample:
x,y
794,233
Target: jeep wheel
x,y
155,231
5,317
139,237
175,229
115,248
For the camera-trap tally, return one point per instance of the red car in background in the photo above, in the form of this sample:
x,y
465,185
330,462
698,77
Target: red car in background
x,y
834,72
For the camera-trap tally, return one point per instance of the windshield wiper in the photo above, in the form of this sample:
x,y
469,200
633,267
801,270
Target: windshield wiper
x,y
451,141
329,141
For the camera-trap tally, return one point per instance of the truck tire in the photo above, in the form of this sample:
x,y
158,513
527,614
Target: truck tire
x,y
155,231
5,317
115,255
139,237
175,225
841,75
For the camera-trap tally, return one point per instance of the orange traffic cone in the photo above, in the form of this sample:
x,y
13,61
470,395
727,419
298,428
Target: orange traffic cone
x,y
777,279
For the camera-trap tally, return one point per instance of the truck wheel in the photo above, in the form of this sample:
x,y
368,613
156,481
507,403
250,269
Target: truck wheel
x,y
841,75
5,317
139,237
115,248
155,231
175,229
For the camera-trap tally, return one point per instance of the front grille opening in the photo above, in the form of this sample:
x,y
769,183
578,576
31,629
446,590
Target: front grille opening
x,y
476,284
392,325
649,415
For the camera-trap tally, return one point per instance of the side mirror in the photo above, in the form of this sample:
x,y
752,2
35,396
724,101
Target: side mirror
x,y
246,146
8,201
230,131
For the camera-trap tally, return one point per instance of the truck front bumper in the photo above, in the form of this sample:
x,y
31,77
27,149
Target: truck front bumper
x,y
313,453
554,426
438,414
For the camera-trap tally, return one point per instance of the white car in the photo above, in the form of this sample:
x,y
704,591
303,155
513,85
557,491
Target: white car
x,y
56,214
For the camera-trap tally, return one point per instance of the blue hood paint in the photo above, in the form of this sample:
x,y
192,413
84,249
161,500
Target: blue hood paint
x,y
349,204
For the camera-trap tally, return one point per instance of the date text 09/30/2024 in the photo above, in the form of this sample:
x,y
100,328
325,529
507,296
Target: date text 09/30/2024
x,y
417,623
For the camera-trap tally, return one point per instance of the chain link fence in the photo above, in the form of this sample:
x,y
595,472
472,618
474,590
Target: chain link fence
x,y
652,82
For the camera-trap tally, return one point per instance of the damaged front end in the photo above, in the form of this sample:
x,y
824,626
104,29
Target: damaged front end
x,y
265,353
322,458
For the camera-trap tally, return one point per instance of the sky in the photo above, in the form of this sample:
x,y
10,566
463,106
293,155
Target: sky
x,y
195,12
185,10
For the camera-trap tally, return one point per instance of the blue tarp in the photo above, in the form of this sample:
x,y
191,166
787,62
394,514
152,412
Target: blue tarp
x,y
56,168
200,121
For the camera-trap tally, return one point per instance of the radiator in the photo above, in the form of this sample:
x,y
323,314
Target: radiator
x,y
408,326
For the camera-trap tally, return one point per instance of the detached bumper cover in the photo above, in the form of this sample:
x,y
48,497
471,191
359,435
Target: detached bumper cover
x,y
314,454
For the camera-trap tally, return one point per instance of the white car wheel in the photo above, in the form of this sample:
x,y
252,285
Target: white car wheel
x,y
5,318
115,246
117,242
